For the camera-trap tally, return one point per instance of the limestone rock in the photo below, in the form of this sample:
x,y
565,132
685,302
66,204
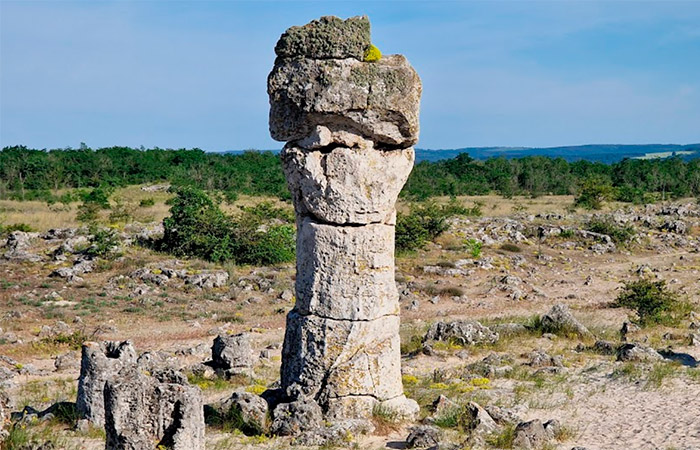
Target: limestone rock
x,y
329,359
480,422
377,100
17,246
463,332
327,37
291,419
232,352
530,435
637,353
336,434
251,408
100,362
143,412
559,319
335,264
423,437
347,186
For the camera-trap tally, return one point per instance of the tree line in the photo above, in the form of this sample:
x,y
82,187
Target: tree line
x,y
27,174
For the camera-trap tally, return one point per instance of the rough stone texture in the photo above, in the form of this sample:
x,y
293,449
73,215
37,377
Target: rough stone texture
x,y
349,127
4,414
18,242
335,264
347,186
144,412
377,100
637,353
100,362
560,320
329,358
293,418
461,331
480,422
232,352
530,435
423,437
327,37
336,434
252,409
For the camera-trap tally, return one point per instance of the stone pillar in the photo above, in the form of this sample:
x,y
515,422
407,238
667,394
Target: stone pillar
x,y
148,412
349,126
100,362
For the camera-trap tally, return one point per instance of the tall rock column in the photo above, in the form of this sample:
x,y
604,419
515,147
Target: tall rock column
x,y
349,125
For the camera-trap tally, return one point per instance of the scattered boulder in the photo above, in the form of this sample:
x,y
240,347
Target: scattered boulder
x,y
461,331
17,245
4,415
250,409
423,437
208,280
560,320
637,353
67,361
503,416
530,435
336,434
232,353
492,366
480,422
144,412
100,362
540,358
301,415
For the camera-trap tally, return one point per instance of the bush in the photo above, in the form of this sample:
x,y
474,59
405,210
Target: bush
x,y
474,246
88,212
509,247
98,196
653,302
17,227
620,234
425,222
197,227
593,192
146,202
268,211
104,243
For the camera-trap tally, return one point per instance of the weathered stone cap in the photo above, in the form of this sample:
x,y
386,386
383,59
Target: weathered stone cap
x,y
326,38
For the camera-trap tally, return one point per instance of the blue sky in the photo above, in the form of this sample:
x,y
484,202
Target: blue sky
x,y
193,73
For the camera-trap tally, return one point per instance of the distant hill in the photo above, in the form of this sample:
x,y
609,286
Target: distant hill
x,y
602,153
606,153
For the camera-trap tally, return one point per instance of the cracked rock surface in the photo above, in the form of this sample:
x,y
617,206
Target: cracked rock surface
x,y
349,126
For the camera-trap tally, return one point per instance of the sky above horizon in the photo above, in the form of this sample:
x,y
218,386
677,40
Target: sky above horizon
x,y
181,74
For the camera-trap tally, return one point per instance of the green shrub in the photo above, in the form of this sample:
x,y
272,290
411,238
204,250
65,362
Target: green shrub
x,y
425,222
268,211
593,192
18,227
509,247
103,243
88,212
197,227
121,212
98,196
474,247
620,234
653,302
146,202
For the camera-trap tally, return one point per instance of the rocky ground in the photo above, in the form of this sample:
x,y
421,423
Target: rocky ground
x,y
513,342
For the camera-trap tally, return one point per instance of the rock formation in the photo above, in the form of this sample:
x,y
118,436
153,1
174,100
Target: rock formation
x,y
160,411
349,127
99,363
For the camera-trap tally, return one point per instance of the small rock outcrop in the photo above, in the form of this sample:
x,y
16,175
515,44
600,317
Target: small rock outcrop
x,y
349,126
560,320
233,353
17,246
463,332
100,362
160,411
252,410
637,353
